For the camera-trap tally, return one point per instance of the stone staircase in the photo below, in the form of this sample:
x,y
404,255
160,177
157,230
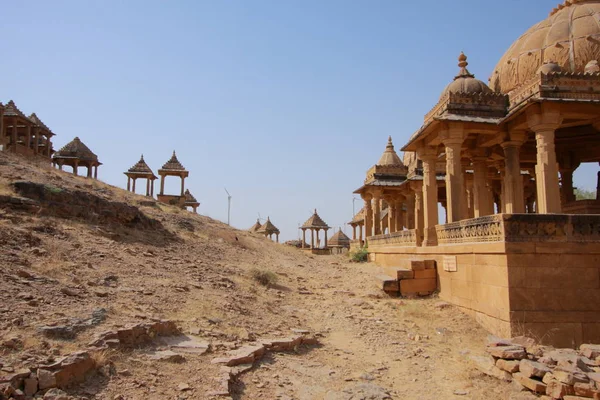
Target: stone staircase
x,y
418,279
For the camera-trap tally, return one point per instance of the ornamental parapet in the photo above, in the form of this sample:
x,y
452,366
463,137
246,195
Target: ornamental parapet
x,y
400,238
521,228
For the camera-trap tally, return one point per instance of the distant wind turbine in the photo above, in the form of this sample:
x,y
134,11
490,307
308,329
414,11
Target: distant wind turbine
x,y
228,207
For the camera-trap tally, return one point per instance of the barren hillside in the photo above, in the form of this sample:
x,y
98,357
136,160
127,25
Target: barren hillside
x,y
79,258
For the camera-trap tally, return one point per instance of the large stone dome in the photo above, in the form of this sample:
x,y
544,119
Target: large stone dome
x,y
570,37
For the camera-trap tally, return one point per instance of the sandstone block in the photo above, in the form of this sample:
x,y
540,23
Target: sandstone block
x,y
531,384
487,366
570,376
387,283
405,274
30,386
508,352
511,366
408,286
557,390
429,264
585,390
590,350
426,274
417,265
46,379
533,369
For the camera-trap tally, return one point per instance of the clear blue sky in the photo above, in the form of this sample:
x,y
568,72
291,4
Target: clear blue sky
x,y
286,103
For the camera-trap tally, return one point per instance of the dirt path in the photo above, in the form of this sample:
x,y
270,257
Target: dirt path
x,y
372,345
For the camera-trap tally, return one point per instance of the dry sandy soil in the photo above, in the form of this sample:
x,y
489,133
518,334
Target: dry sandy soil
x,y
56,268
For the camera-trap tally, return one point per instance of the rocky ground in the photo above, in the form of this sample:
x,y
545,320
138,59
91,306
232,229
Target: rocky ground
x,y
78,258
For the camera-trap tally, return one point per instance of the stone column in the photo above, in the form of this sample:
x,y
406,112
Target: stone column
x,y
162,185
410,211
303,237
430,207
318,239
419,217
325,238
14,135
152,188
360,234
36,138
312,238
377,214
89,171
182,185
482,203
543,120
133,185
353,232
391,222
28,139
399,216
368,215
514,198
147,187
75,166
60,164
128,184
454,179
548,191
470,207
48,146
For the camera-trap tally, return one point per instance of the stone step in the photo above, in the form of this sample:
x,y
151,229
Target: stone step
x,y
387,283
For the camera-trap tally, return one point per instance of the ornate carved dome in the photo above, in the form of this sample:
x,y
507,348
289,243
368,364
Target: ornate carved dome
x,y
389,156
570,36
465,81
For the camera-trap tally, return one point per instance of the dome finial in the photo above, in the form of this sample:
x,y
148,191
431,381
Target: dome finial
x,y
462,64
462,60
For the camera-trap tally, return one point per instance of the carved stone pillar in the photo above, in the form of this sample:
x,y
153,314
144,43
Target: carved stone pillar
x,y
368,215
133,185
454,179
544,120
514,199
27,139
419,217
36,140
392,211
482,203
410,211
353,232
360,234
162,185
567,193
377,213
430,207
89,171
468,179
128,184
312,238
75,166
400,217
14,135
182,186
303,238
325,238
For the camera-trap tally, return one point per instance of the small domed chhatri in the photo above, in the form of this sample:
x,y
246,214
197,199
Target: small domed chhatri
x,y
389,156
465,81
570,36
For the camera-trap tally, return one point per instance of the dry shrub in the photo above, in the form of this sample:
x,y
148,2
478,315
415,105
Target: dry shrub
x,y
264,277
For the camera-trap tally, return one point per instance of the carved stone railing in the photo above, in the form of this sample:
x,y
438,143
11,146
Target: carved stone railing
x,y
400,238
521,228
482,229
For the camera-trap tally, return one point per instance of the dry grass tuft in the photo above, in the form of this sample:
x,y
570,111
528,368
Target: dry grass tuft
x,y
264,277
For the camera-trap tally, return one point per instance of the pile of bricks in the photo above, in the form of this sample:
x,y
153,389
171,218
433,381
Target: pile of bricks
x,y
553,373
418,280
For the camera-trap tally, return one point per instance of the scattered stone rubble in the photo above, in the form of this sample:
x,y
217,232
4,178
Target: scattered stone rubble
x,y
77,366
552,373
241,360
